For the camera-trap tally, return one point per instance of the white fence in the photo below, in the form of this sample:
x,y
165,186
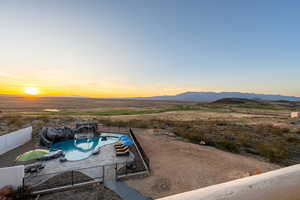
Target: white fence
x,y
282,184
15,139
12,176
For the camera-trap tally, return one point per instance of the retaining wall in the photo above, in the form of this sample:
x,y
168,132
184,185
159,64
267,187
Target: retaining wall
x,y
15,139
12,176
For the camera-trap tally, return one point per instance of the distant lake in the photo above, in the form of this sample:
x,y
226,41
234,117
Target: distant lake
x,y
51,110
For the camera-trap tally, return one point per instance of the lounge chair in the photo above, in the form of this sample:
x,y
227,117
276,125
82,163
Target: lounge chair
x,y
63,159
34,167
122,149
118,144
122,153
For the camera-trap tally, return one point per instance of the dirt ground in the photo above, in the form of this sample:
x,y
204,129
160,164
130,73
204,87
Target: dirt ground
x,y
178,166
93,192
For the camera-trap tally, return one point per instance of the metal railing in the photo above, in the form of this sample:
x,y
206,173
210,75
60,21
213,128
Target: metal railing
x,y
140,148
101,173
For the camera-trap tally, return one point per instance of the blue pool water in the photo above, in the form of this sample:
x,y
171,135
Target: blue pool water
x,y
81,148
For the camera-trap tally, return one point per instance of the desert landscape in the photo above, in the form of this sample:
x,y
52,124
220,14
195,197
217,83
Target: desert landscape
x,y
143,100
214,142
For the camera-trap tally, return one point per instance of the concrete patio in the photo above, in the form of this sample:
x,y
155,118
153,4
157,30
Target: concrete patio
x,y
90,166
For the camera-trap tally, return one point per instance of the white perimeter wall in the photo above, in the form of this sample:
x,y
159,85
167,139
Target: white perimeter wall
x,y
282,184
14,139
12,176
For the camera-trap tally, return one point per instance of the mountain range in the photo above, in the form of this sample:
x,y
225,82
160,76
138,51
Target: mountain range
x,y
193,97
214,96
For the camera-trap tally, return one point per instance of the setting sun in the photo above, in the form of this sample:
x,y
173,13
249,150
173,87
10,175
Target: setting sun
x,y
32,91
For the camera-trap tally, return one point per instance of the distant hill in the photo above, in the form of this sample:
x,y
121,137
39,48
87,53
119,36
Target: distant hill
x,y
214,96
239,101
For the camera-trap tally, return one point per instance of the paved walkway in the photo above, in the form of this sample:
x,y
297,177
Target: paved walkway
x,y
124,191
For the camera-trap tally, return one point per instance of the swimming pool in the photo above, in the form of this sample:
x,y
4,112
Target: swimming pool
x,y
82,148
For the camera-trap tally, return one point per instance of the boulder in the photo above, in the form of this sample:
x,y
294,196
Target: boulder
x,y
50,135
53,135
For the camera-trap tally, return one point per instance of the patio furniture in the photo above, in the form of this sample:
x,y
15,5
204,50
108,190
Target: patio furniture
x,y
118,144
121,146
122,149
63,159
35,167
32,155
122,153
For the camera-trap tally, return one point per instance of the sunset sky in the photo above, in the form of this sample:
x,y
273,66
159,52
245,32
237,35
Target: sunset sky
x,y
125,48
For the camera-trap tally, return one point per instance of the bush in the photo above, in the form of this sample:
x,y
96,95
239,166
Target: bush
x,y
229,146
139,124
221,123
292,139
274,152
270,129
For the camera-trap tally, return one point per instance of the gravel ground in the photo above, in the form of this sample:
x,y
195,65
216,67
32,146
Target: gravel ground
x,y
179,166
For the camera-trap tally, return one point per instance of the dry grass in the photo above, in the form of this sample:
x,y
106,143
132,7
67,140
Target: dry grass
x,y
259,132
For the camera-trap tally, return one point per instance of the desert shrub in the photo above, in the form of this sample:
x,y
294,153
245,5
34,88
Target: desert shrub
x,y
292,139
245,140
221,123
15,121
108,122
194,136
229,145
270,129
285,130
275,152
139,124
180,131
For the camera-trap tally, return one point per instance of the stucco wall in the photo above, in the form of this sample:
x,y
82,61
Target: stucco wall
x,y
282,184
15,139
12,176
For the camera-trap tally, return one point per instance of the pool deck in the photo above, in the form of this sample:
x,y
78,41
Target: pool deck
x,y
106,157
111,134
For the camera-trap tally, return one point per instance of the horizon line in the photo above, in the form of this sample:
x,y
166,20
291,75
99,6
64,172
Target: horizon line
x,y
79,96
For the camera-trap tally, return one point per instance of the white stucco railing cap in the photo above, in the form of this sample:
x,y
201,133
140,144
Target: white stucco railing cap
x,y
282,184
